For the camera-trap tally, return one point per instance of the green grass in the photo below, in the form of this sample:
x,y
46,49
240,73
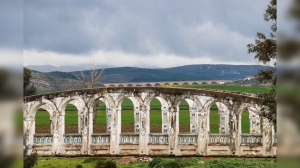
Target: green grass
x,y
246,89
189,162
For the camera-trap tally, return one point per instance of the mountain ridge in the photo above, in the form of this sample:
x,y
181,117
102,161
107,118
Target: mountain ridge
x,y
57,80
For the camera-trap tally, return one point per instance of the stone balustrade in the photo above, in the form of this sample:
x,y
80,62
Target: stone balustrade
x,y
219,139
275,139
158,138
187,138
247,139
101,138
72,138
129,138
42,139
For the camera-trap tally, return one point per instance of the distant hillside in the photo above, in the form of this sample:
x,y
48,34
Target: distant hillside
x,y
210,71
55,81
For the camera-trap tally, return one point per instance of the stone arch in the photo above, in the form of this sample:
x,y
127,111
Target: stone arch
x,y
108,103
137,107
137,100
163,99
184,97
193,109
105,113
254,117
165,106
77,101
46,104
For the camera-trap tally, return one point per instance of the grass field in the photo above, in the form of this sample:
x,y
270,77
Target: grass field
x,y
246,89
127,118
189,162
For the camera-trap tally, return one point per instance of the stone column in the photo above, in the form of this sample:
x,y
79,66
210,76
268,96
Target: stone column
x,y
90,129
137,118
202,131
29,133
58,133
234,128
115,130
173,130
165,119
223,118
85,131
268,133
193,120
254,121
144,130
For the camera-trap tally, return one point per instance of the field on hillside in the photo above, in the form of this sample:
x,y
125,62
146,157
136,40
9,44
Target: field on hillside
x,y
127,118
246,89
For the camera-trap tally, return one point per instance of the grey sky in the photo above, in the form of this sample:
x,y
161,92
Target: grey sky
x,y
141,33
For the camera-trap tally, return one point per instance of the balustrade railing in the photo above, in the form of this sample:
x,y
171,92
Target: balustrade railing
x,y
158,138
100,138
251,139
72,138
187,138
219,138
275,140
42,139
129,138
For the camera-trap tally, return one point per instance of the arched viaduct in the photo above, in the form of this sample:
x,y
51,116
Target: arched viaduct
x,y
162,83
229,141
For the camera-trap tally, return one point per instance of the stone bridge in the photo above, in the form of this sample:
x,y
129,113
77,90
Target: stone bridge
x,y
162,83
199,141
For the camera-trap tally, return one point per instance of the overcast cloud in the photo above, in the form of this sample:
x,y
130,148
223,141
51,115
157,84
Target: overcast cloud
x,y
141,33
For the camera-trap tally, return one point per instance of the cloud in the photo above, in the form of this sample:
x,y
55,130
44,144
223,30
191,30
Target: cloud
x,y
118,59
205,30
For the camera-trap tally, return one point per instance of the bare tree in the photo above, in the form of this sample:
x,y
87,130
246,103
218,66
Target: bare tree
x,y
94,79
88,81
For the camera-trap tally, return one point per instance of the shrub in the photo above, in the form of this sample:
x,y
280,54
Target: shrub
x,y
154,162
30,160
79,166
105,164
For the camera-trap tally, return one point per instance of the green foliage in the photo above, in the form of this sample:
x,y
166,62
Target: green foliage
x,y
27,88
265,50
30,160
237,164
177,163
154,162
190,162
90,159
79,166
105,164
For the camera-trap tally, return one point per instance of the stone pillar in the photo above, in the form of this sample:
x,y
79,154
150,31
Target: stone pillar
x,y
90,129
58,133
193,120
234,128
223,118
203,131
165,119
137,118
115,130
173,130
268,133
254,121
29,133
144,130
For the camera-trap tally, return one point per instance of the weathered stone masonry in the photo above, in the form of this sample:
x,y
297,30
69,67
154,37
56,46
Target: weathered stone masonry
x,y
199,141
